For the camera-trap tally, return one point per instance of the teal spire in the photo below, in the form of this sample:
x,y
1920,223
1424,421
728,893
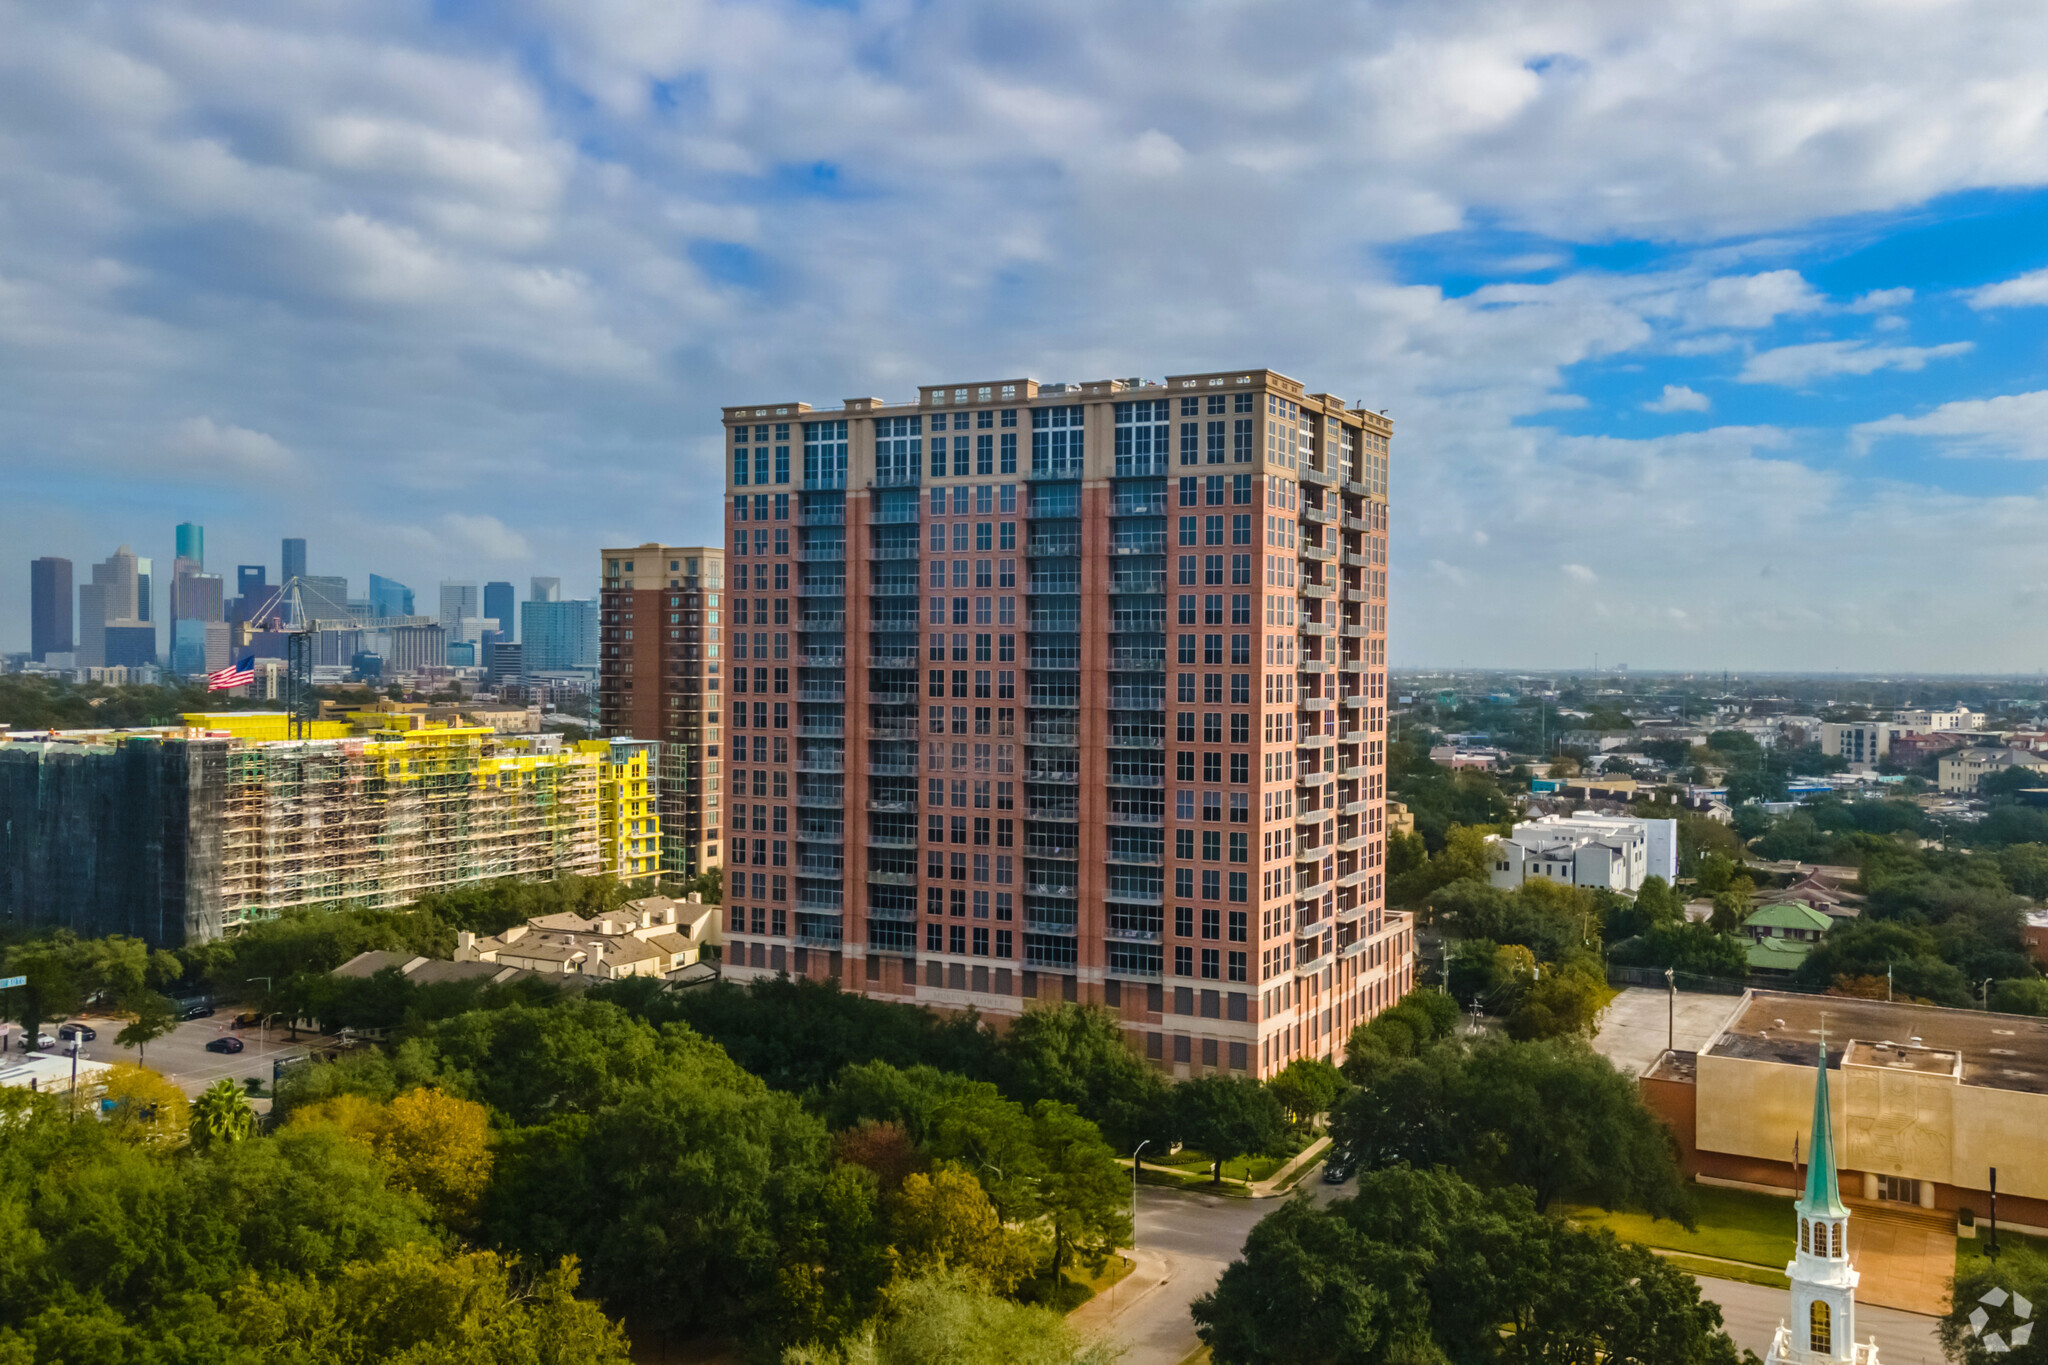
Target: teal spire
x,y
1821,1197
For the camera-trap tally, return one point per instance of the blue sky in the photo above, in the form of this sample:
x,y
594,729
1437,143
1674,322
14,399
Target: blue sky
x,y
1715,337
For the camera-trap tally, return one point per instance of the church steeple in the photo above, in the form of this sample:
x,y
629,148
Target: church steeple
x,y
1822,1329
1823,1199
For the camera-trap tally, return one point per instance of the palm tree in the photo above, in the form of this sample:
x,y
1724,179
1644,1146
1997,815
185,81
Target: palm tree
x,y
221,1114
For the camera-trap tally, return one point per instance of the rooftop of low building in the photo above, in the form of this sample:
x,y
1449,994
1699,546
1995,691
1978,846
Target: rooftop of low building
x,y
1997,1051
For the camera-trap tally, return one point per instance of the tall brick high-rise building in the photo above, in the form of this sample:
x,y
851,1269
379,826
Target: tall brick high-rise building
x,y
658,661
1068,692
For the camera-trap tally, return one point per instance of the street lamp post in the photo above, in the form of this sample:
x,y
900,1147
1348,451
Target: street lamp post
x,y
1671,1011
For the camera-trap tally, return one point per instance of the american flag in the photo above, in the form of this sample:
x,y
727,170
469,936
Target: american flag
x,y
234,675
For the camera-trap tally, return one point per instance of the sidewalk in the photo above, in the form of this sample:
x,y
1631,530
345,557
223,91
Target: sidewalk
x,y
1150,1271
1268,1188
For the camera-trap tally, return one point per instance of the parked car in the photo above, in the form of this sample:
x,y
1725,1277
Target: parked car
x,y
247,1019
44,1042
84,1033
1337,1168
200,1011
229,1043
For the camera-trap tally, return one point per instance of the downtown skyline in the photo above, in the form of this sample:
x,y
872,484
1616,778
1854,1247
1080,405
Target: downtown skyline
x,y
1728,363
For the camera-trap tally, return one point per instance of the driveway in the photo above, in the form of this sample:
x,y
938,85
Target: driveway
x,y
181,1054
1634,1028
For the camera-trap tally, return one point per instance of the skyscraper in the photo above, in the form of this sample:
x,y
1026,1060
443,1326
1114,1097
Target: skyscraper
x,y
654,669
545,590
1074,692
458,603
558,636
294,558
389,597
111,627
192,544
50,611
499,606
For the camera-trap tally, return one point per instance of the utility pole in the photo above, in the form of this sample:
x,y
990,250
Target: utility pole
x,y
1671,1014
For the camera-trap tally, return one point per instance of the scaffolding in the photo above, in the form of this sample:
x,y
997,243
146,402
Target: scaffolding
x,y
380,821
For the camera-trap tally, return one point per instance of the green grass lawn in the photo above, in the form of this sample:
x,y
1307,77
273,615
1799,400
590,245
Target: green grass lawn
x,y
1192,1162
1971,1251
1734,1224
1723,1270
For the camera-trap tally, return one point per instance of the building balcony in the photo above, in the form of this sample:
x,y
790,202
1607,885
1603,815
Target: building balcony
x,y
821,763
879,878
833,515
891,840
831,587
892,805
892,767
888,553
821,800
834,553
1137,779
1321,477
893,658
1321,516
1135,936
1317,590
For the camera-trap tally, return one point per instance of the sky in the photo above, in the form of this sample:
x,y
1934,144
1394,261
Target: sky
x,y
1715,335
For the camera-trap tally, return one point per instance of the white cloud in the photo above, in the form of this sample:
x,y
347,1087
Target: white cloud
x,y
1579,573
1882,300
2012,425
202,446
512,261
1679,398
2028,290
1793,366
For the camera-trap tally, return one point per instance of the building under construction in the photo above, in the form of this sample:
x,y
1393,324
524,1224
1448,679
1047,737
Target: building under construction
x,y
183,834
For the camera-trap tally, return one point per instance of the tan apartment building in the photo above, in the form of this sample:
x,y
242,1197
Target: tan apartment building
x,y
1068,692
658,680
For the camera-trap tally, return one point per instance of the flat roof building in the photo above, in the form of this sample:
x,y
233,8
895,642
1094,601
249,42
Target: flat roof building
x,y
1067,692
1926,1101
658,679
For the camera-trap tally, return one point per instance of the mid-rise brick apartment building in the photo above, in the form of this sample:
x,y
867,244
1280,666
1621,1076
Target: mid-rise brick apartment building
x,y
1068,692
658,653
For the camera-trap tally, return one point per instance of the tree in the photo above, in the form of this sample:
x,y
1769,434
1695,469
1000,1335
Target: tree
x,y
1307,1086
1876,948
951,1320
944,1221
1078,1055
1228,1117
154,1016
1564,1001
142,1106
883,1148
2022,995
221,1115
1554,1117
1082,1189
1424,1267
419,1303
434,1144
1716,871
438,1147
2019,1269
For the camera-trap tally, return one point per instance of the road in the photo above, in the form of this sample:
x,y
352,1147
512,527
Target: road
x,y
181,1054
1752,1313
1185,1241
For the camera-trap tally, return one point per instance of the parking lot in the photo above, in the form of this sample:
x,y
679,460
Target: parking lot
x,y
181,1054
